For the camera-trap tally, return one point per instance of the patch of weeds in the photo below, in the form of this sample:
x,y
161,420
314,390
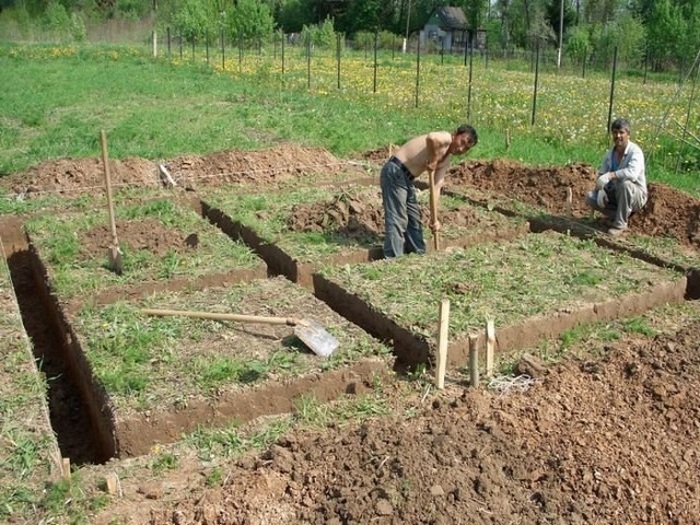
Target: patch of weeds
x,y
608,333
214,478
573,336
169,264
365,406
16,499
66,499
24,453
639,325
308,410
585,278
163,462
270,433
285,361
210,442
221,370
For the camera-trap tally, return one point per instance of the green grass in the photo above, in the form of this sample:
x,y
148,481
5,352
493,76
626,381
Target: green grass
x,y
138,357
74,273
27,444
536,275
61,96
269,214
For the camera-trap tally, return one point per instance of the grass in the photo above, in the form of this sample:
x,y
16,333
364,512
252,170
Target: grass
x,y
75,272
27,444
534,276
60,97
269,215
137,357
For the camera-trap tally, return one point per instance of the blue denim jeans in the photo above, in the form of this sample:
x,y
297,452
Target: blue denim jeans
x,y
402,219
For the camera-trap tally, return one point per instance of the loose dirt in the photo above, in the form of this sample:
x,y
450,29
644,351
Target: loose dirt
x,y
611,440
668,212
147,234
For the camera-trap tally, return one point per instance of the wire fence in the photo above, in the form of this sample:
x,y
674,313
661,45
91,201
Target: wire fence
x,y
423,74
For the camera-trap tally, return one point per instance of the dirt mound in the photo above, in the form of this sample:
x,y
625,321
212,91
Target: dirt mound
x,y
257,167
379,155
353,216
591,442
147,234
75,177
668,212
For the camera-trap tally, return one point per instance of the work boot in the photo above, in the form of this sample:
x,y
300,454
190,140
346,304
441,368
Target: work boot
x,y
616,232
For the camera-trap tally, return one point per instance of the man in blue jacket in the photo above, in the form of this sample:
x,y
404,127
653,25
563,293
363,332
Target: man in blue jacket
x,y
621,187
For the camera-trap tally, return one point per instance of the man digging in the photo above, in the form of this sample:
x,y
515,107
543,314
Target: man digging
x,y
431,152
621,187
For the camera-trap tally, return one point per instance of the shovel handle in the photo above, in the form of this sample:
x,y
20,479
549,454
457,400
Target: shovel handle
x,y
433,209
108,183
290,321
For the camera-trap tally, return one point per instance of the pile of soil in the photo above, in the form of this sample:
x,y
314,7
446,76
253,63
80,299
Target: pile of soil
x,y
668,212
611,441
354,217
76,177
146,234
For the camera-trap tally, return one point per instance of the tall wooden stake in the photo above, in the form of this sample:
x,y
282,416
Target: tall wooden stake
x,y
442,344
473,361
490,346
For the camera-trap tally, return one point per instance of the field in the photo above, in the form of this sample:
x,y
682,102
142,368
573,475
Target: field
x,y
110,415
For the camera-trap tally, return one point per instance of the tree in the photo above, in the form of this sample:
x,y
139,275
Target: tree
x,y
553,12
250,20
195,20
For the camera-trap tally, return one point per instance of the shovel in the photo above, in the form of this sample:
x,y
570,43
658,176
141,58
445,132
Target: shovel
x,y
433,210
309,331
114,254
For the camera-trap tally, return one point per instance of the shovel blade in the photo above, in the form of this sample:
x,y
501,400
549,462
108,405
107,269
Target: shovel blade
x,y
316,337
115,260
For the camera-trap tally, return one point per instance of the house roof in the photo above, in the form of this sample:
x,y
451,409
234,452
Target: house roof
x,y
451,17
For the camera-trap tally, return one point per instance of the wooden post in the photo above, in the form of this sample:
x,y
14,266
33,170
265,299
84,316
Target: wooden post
x,y
490,345
473,361
442,344
65,468
112,484
507,138
569,200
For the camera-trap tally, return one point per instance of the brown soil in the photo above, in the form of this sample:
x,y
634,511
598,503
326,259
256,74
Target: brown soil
x,y
75,177
668,212
610,441
356,217
147,234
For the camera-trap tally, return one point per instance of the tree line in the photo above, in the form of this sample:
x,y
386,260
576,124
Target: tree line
x,y
659,34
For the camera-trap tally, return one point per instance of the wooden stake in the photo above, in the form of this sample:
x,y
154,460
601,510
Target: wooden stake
x,y
569,201
112,483
442,344
507,138
65,468
473,361
490,345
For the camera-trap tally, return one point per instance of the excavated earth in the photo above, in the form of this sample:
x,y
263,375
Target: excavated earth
x,y
612,440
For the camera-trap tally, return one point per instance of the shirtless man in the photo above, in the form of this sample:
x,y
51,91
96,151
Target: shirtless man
x,y
402,220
